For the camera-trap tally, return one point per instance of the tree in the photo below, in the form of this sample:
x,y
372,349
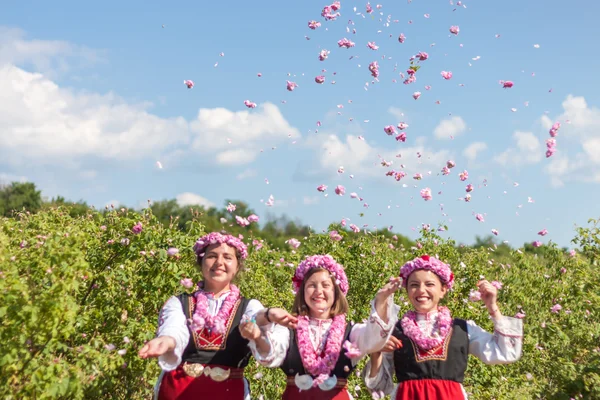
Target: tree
x,y
76,209
18,196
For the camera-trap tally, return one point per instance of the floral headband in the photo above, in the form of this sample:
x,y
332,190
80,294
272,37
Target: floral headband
x,y
218,238
428,263
321,261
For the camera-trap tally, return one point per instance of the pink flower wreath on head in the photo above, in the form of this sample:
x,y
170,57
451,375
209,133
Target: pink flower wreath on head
x,y
428,263
218,238
321,261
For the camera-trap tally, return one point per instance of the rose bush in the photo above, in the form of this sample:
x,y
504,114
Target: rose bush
x,y
79,297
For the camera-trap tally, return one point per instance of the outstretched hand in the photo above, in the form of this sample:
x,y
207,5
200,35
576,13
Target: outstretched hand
x,y
282,317
277,316
157,347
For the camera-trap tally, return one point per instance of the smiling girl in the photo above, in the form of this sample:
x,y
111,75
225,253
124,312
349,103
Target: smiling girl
x,y
322,348
198,344
428,350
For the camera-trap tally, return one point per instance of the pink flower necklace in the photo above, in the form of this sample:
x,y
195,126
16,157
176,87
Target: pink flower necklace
x,y
202,319
320,365
412,330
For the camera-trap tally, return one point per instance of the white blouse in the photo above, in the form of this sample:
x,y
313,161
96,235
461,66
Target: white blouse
x,y
172,322
504,346
368,337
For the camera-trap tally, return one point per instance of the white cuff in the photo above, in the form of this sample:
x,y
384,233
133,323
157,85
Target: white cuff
x,y
509,326
392,312
170,360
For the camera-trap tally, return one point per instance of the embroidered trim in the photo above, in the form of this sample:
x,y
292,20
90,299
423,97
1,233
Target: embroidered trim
x,y
383,331
212,345
431,353
507,335
161,315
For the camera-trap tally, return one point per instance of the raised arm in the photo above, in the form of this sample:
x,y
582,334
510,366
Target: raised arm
x,y
372,335
505,344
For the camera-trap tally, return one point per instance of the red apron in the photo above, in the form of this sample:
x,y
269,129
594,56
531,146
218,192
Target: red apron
x,y
177,385
429,389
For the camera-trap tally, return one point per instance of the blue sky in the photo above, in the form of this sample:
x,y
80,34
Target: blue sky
x,y
95,97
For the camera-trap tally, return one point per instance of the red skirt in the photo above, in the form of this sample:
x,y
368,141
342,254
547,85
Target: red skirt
x,y
339,392
177,385
430,389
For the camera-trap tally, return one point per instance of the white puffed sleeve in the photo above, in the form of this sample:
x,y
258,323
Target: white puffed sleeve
x,y
383,381
278,338
253,307
502,347
372,335
172,322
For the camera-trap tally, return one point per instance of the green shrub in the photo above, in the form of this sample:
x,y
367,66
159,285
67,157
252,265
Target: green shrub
x,y
79,300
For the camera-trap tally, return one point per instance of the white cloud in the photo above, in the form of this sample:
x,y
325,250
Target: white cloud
x,y
528,151
471,151
236,157
578,143
591,147
245,174
247,131
360,158
43,123
192,199
48,56
310,200
398,113
450,127
7,179
88,174
526,141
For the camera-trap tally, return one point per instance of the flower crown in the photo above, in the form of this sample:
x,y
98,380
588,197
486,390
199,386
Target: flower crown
x,y
428,263
321,261
218,238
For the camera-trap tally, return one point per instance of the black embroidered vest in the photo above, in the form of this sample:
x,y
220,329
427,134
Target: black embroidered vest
x,y
229,349
448,361
292,364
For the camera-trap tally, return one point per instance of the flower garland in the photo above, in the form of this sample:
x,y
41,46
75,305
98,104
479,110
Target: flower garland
x,y
217,238
321,261
202,319
315,364
412,330
432,264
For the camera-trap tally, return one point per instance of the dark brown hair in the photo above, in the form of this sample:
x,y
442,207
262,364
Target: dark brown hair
x,y
340,304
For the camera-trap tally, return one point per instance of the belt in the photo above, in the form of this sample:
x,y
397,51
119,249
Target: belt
x,y
216,373
341,382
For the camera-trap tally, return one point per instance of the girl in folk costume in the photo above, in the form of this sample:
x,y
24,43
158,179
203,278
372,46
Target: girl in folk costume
x,y
323,349
198,344
428,350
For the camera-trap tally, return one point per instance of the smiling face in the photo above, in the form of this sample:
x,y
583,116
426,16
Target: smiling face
x,y
319,294
219,266
425,290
